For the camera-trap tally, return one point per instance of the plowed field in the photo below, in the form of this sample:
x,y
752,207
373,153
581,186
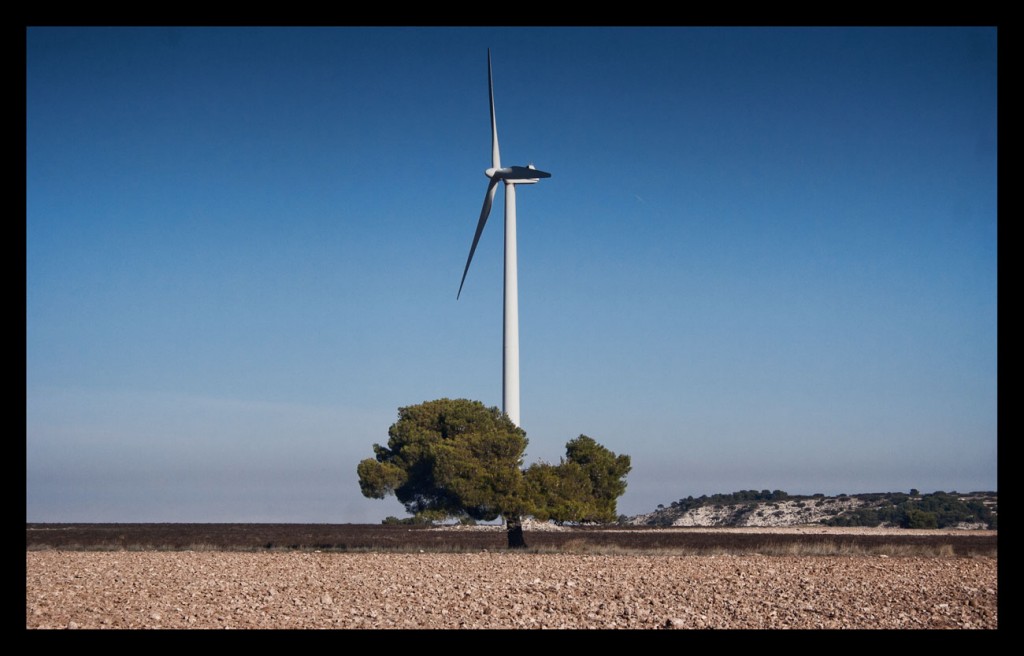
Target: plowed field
x,y
459,583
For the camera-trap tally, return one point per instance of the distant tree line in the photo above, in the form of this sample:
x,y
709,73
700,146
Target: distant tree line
x,y
743,496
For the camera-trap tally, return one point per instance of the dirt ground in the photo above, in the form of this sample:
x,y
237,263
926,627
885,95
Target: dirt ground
x,y
304,590
292,576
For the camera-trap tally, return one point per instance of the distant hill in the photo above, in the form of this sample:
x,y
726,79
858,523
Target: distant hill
x,y
973,510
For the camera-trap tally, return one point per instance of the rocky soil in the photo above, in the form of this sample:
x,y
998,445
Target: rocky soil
x,y
213,589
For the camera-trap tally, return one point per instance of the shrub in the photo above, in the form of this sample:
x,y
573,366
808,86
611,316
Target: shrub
x,y
920,519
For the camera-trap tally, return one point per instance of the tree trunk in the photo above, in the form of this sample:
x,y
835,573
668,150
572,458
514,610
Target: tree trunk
x,y
514,526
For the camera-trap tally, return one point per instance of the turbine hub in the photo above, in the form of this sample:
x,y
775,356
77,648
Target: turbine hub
x,y
490,172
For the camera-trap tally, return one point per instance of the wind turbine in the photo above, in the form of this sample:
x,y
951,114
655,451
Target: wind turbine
x,y
511,176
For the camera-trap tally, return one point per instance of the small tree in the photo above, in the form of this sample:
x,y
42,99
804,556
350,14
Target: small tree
x,y
583,487
458,458
920,519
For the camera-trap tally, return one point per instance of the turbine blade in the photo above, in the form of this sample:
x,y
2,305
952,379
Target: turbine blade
x,y
495,155
484,212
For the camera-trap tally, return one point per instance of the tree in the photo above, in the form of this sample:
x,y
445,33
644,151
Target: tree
x,y
583,487
459,458
451,458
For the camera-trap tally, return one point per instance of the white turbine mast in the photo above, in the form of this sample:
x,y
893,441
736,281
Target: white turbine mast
x,y
511,176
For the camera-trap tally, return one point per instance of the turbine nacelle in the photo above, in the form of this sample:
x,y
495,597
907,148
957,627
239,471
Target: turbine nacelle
x,y
516,174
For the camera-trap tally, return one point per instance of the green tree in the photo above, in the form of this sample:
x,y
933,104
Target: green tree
x,y
459,458
451,458
920,519
583,487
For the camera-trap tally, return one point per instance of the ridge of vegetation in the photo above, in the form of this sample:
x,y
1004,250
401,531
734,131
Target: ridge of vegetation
x,y
778,508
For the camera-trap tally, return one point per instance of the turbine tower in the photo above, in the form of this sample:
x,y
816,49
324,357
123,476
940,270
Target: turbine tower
x,y
511,176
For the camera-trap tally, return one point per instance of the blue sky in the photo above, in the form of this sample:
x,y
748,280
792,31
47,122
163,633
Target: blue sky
x,y
766,258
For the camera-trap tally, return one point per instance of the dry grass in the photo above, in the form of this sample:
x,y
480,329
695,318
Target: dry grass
x,y
837,548
801,541
827,548
575,547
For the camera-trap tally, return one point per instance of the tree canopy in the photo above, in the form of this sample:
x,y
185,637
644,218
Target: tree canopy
x,y
459,458
583,487
449,458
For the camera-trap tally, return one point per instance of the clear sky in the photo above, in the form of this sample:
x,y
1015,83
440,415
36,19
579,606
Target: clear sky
x,y
766,258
